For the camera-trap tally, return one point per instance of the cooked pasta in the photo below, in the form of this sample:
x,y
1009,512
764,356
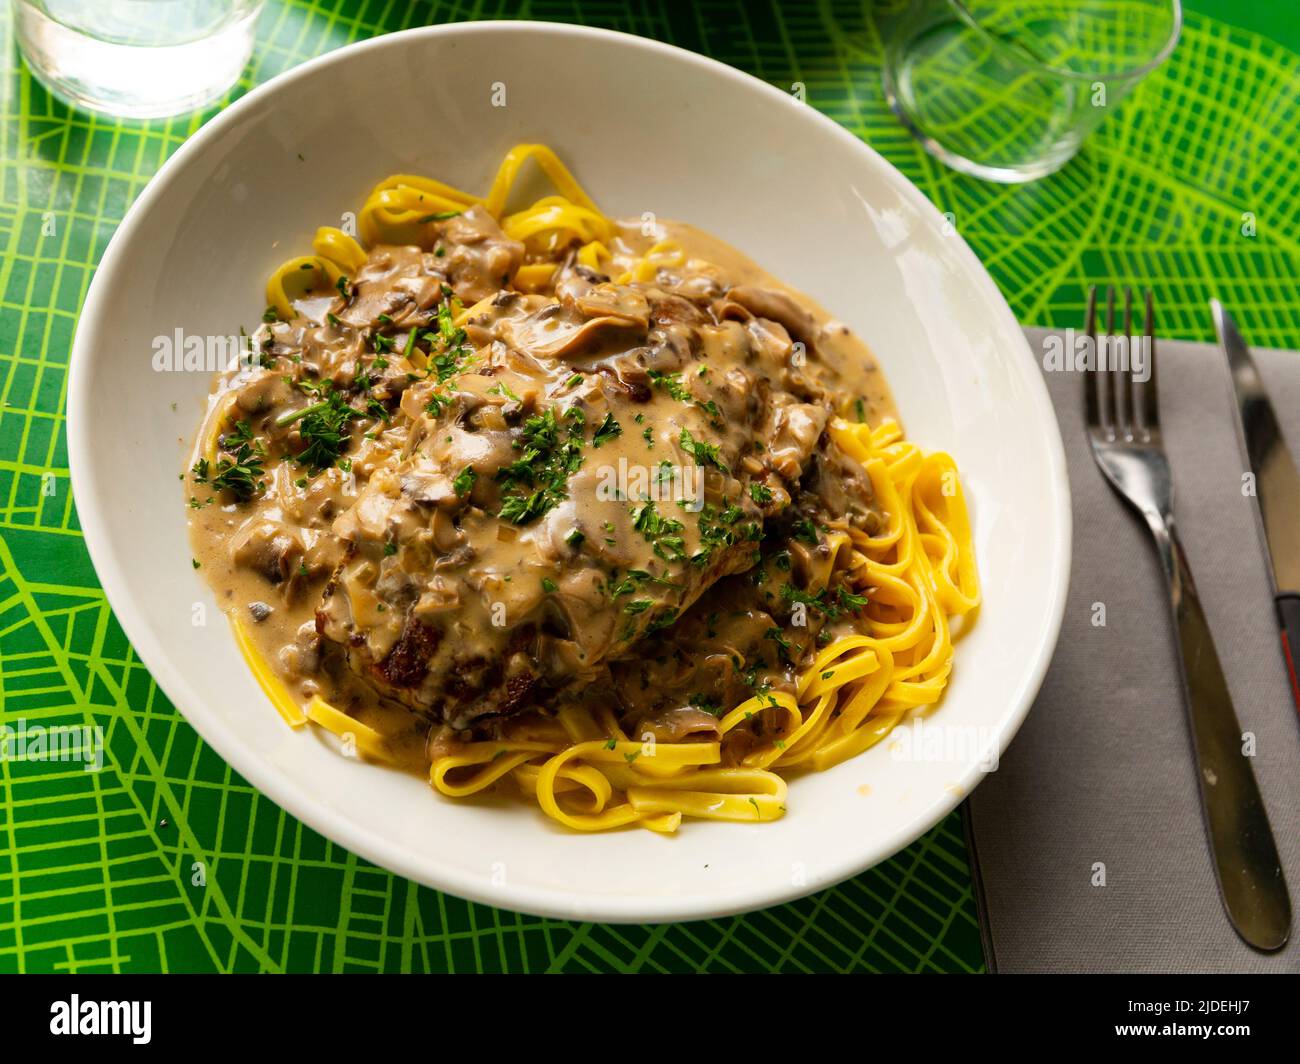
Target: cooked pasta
x,y
434,568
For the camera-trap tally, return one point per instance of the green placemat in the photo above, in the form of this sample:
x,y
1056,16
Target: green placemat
x,y
97,869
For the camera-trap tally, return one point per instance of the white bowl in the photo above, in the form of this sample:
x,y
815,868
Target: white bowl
x,y
645,127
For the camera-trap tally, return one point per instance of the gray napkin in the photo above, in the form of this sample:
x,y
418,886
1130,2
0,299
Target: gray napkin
x,y
1101,774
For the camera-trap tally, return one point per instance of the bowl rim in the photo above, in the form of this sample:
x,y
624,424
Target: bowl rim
x,y
306,806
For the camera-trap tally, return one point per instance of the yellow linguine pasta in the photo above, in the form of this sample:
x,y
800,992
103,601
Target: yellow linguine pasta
x,y
918,571
849,698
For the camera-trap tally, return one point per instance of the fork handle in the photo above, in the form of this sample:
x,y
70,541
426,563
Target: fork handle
x,y
1246,862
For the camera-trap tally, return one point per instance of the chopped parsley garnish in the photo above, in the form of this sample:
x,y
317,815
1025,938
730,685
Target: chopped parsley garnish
x,y
634,581
464,482
716,530
849,600
606,431
783,644
760,493
706,704
455,353
806,531
240,474
672,383
703,453
324,431
520,509
409,349
820,601
661,532
441,216
548,585
540,475
663,619
831,606
574,538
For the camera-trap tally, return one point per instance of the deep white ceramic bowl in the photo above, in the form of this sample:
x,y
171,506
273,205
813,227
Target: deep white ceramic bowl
x,y
645,127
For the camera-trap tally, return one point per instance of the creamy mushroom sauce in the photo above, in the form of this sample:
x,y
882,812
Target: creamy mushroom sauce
x,y
375,567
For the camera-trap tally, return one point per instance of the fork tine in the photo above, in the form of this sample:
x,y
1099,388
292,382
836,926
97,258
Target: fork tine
x,y
1127,409
1091,403
1150,407
1112,383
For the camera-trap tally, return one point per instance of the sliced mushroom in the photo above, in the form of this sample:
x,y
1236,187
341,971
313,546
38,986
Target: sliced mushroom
x,y
479,256
426,486
267,547
608,300
777,307
554,336
685,722
390,284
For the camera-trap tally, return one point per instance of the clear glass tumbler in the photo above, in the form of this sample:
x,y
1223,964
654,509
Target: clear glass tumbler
x,y
136,58
1006,90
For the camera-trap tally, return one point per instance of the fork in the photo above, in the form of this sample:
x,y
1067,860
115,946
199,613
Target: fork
x,y
1123,421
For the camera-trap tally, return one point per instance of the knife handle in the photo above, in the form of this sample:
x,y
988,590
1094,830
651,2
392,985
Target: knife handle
x,y
1288,616
1251,881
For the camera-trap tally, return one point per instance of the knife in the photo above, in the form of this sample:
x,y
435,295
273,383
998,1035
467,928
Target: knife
x,y
1277,486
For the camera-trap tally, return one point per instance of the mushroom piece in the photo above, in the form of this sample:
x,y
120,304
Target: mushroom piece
x,y
777,307
263,392
794,431
730,310
555,337
268,548
479,255
614,301
390,284
684,722
426,486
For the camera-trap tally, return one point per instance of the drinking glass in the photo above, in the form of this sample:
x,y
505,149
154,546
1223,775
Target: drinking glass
x,y
1006,90
136,58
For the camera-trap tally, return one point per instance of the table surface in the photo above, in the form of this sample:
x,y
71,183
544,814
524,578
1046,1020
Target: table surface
x,y
95,867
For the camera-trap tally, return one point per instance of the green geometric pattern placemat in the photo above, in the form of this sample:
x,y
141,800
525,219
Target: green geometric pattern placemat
x,y
97,868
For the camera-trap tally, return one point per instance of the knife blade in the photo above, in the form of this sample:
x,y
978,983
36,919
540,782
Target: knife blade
x,y
1277,486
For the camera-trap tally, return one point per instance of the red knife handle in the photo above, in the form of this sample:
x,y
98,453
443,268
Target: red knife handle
x,y
1288,615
